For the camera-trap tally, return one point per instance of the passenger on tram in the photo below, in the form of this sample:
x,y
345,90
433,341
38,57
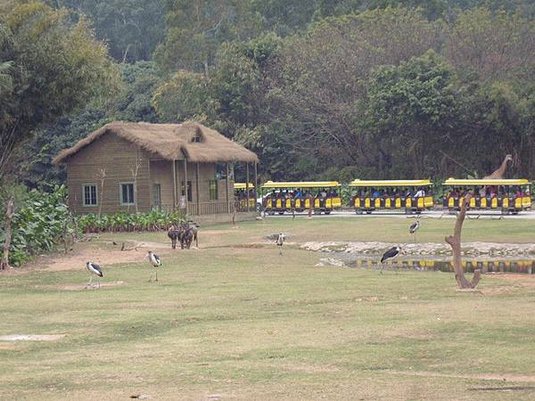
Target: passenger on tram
x,y
419,193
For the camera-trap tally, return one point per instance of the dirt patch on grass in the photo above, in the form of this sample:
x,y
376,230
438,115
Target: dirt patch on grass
x,y
32,337
79,258
103,253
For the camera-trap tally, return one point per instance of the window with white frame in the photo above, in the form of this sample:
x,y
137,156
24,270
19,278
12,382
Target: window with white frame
x,y
127,193
89,194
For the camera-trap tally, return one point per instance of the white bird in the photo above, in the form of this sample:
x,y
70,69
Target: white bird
x,y
390,254
280,242
156,262
93,269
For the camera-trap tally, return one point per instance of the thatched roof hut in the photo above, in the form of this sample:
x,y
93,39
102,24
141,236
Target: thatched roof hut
x,y
191,141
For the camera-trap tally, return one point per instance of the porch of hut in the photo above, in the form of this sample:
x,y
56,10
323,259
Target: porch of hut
x,y
197,188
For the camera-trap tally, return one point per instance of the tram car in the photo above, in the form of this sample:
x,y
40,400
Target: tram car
x,y
281,197
505,195
244,193
402,195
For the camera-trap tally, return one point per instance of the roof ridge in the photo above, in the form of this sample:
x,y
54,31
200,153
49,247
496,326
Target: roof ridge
x,y
159,138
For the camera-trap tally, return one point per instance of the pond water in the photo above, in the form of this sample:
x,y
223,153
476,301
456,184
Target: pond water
x,y
526,266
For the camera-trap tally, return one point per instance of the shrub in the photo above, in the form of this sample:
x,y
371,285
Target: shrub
x,y
154,220
40,220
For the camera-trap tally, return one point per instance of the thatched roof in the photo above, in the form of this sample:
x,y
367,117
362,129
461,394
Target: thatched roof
x,y
171,142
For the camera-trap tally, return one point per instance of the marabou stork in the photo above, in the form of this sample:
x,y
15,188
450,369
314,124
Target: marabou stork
x,y
390,254
280,242
414,227
156,262
93,269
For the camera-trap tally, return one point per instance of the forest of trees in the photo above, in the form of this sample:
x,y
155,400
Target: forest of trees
x,y
319,89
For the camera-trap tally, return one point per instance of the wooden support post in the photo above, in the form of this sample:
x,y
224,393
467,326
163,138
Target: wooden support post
x,y
197,198
247,183
256,188
455,243
174,185
10,210
226,187
186,183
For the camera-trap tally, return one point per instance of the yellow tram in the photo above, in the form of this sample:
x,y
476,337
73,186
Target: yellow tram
x,y
408,195
505,195
240,194
280,197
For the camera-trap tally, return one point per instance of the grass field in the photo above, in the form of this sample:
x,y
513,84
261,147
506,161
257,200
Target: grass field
x,y
233,320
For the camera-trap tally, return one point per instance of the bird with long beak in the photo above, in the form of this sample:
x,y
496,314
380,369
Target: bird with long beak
x,y
156,262
94,270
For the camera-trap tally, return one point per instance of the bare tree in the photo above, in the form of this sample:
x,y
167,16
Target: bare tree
x,y
4,262
101,175
455,243
135,171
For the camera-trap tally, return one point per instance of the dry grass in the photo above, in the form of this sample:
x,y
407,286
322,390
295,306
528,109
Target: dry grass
x,y
233,322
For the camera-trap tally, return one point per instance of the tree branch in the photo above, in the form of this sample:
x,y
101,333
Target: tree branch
x,y
10,210
455,242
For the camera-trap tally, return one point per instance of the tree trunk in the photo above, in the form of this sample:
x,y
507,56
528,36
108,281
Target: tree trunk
x,y
4,263
455,243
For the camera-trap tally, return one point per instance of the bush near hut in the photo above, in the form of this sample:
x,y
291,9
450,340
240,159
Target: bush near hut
x,y
154,220
41,219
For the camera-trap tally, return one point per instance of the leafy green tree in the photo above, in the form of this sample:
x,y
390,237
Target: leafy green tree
x,y
411,109
184,96
57,66
196,29
132,28
494,46
237,81
36,170
6,82
132,103
285,17
318,81
432,9
497,119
